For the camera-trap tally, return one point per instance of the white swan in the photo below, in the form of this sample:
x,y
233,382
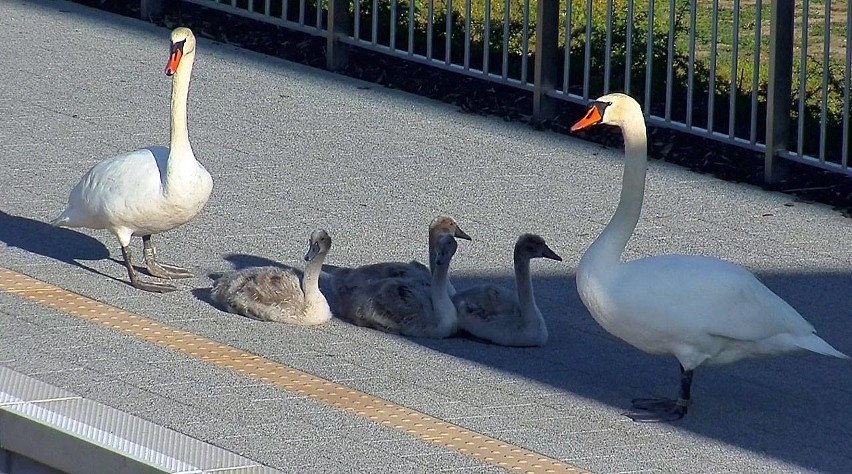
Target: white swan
x,y
345,279
501,316
277,294
147,191
410,307
701,310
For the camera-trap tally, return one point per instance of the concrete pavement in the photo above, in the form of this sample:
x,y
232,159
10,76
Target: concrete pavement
x,y
292,149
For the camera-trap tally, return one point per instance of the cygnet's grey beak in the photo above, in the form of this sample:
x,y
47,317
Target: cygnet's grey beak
x,y
312,252
551,254
461,234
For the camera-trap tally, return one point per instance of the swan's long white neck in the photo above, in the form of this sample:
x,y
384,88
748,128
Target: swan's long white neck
x,y
606,251
179,140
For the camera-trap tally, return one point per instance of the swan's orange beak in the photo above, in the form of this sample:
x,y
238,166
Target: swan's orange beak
x,y
593,116
174,58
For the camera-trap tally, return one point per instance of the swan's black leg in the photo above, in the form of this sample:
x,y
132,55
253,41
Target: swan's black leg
x,y
136,282
157,269
652,410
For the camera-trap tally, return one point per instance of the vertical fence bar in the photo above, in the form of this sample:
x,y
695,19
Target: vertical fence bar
x,y
285,9
755,76
266,7
826,56
374,23
669,68
467,34
410,27
780,85
250,6
628,46
847,83
448,58
803,79
339,26
649,58
608,46
505,70
567,49
714,46
429,27
486,39
735,55
587,61
690,72
319,14
392,26
151,10
525,42
301,12
546,58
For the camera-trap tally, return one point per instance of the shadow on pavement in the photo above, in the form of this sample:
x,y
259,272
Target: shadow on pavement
x,y
58,243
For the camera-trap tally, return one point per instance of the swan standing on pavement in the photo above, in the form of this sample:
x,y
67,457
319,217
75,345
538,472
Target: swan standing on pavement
x,y
499,315
701,310
276,294
410,307
147,191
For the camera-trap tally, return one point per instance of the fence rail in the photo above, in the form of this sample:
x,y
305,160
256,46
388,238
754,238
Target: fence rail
x,y
709,70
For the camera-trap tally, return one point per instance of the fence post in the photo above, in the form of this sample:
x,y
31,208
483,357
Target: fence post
x,y
152,10
779,89
546,58
337,52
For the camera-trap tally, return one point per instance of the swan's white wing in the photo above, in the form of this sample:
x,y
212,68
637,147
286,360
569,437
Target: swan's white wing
x,y
118,188
702,296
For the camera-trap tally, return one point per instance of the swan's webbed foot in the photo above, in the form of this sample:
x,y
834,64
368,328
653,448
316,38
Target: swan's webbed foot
x,y
657,410
651,410
139,284
153,287
164,270
157,269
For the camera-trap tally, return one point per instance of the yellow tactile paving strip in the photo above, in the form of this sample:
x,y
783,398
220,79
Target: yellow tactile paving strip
x,y
470,443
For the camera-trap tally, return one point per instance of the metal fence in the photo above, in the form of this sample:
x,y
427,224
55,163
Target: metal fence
x,y
769,76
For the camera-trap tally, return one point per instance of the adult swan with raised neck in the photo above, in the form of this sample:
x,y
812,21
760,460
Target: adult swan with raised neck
x,y
147,191
702,310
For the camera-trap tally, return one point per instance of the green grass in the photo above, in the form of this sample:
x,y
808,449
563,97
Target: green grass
x,y
726,77
729,80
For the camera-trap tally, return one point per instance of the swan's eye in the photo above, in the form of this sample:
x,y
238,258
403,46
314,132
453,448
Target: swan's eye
x,y
178,45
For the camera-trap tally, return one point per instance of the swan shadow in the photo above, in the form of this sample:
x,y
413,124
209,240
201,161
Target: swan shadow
x,y
240,261
58,243
203,294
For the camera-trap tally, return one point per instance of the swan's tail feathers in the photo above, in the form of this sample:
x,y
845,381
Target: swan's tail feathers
x,y
60,221
814,343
